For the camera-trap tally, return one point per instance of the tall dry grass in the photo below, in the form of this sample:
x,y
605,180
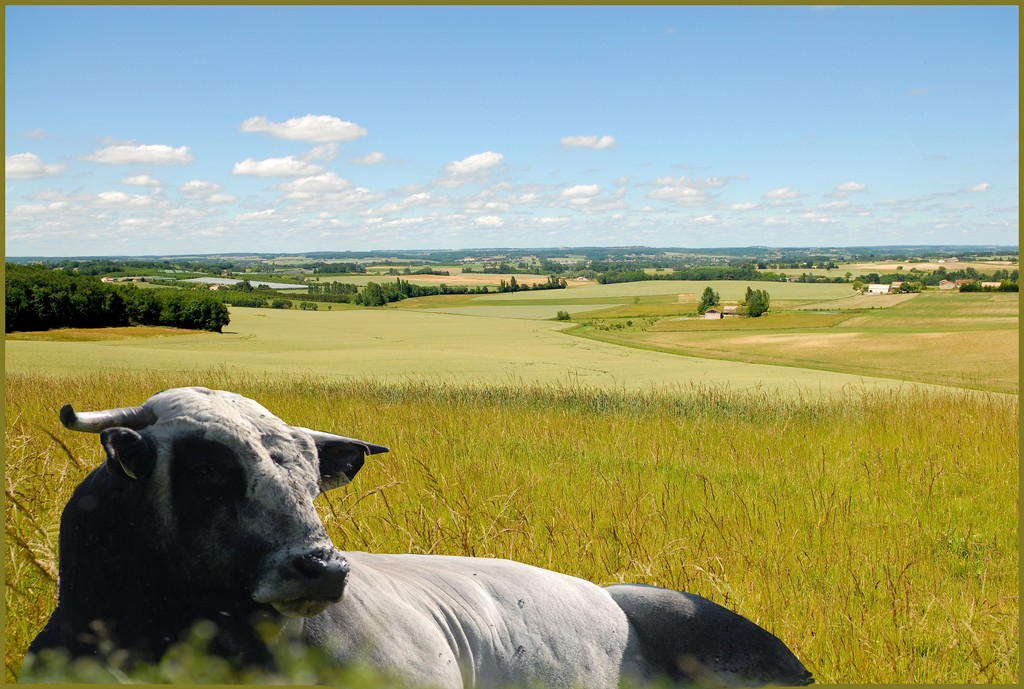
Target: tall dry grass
x,y
876,534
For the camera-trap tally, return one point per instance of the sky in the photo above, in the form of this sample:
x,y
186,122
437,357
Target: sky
x,y
180,130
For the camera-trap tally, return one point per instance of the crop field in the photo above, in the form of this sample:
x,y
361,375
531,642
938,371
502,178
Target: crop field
x,y
874,531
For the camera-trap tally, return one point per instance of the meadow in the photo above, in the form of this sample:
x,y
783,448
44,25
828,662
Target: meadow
x,y
860,503
965,340
395,344
875,531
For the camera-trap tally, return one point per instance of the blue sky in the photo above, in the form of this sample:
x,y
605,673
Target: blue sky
x,y
159,130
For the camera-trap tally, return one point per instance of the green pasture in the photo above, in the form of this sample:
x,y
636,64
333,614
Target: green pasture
x,y
967,340
402,344
874,529
685,290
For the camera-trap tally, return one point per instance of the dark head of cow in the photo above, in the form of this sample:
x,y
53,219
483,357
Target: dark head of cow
x,y
203,508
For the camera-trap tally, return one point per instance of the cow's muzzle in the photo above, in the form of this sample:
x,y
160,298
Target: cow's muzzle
x,y
304,585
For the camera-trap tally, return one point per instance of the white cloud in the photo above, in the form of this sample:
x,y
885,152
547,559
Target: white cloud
x,y
595,142
119,199
680,193
141,154
472,168
489,221
403,222
198,187
417,199
315,128
289,166
474,163
255,215
582,191
374,158
782,194
480,205
326,152
979,188
848,187
745,206
221,198
140,181
687,192
29,166
326,183
28,210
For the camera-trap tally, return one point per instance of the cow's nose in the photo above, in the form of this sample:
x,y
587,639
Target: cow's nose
x,y
324,577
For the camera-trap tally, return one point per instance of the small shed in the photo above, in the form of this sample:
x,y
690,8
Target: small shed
x,y
877,289
712,314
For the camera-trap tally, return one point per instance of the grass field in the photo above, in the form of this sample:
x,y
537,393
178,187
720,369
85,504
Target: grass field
x,y
874,531
964,340
404,344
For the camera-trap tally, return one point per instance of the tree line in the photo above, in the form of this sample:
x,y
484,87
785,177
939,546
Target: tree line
x,y
40,299
376,294
746,271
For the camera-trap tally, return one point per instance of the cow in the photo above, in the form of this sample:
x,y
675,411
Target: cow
x,y
203,511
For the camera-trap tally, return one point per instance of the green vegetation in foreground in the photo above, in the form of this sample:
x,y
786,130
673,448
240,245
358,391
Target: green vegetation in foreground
x,y
874,531
965,340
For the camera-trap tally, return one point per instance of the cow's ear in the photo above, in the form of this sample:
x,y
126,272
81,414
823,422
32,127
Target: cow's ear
x,y
128,453
341,458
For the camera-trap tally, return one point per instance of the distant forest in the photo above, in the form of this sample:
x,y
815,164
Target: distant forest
x,y
41,299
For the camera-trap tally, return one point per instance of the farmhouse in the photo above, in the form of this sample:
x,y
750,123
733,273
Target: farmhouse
x,y
877,289
947,284
712,314
993,285
731,310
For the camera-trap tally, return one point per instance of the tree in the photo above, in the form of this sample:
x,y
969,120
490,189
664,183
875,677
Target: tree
x,y
756,302
372,295
708,299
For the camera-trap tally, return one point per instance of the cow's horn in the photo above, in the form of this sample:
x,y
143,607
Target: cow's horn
x,y
97,421
324,437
